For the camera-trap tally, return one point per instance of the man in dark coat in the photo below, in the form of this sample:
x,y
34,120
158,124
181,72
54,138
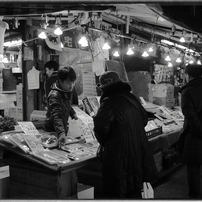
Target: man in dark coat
x,y
191,104
119,128
59,104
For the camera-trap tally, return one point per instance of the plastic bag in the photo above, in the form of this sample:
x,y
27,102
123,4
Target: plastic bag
x,y
147,191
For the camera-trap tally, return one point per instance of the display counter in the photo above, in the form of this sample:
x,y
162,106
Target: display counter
x,y
29,175
32,178
165,140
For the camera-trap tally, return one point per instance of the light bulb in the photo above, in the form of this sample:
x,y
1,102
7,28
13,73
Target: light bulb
x,y
178,60
130,51
182,39
191,61
145,54
170,64
199,62
150,49
42,35
82,40
168,58
62,46
58,31
116,54
106,46
5,60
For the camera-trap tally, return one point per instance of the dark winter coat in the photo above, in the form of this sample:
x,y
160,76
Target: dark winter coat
x,y
59,110
119,127
191,104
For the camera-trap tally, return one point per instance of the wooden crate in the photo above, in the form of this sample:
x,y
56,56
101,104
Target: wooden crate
x,y
31,181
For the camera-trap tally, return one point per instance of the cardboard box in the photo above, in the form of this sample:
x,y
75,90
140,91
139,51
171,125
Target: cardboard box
x,y
4,181
168,102
161,90
85,191
37,115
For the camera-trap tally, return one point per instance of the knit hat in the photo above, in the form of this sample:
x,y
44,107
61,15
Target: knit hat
x,y
194,70
109,78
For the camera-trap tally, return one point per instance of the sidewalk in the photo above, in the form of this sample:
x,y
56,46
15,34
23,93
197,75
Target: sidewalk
x,y
173,186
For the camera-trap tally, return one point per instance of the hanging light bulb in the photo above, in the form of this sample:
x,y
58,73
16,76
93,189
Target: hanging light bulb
x,y
151,49
58,31
168,58
178,60
170,64
106,46
83,41
42,35
116,53
182,39
145,54
199,62
130,51
5,59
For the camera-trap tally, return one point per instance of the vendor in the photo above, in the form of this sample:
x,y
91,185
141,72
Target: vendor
x,y
51,68
59,104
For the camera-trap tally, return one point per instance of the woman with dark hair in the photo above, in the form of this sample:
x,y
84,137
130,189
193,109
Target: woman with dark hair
x,y
59,103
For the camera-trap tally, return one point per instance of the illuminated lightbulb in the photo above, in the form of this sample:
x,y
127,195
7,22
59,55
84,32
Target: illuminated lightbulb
x,y
130,51
58,31
168,58
170,64
42,35
106,46
178,60
116,54
182,39
145,54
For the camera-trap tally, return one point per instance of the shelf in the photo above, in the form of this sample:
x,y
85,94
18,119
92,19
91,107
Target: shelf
x,y
8,92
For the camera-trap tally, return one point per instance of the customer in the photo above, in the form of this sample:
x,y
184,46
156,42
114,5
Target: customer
x,y
119,128
191,104
51,68
59,103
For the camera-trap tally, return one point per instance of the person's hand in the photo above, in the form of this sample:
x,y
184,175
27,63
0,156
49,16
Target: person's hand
x,y
75,117
61,140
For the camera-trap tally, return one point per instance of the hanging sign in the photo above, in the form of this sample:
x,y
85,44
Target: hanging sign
x,y
52,40
33,79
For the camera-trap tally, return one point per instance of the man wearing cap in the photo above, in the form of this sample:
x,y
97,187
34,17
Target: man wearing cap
x,y
191,104
119,128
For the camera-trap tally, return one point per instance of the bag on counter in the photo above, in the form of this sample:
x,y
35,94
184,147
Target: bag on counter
x,y
100,152
147,191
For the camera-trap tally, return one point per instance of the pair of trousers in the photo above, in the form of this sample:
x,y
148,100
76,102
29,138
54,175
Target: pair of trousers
x,y
194,177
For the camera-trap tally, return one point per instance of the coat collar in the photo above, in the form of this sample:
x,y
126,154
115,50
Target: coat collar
x,y
194,82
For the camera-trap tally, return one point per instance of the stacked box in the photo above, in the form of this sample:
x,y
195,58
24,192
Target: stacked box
x,y
162,94
85,191
89,84
168,102
38,115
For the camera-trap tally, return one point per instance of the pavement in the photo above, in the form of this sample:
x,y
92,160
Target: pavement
x,y
173,186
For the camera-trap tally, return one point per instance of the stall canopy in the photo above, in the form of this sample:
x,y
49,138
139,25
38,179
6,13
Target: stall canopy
x,y
160,19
